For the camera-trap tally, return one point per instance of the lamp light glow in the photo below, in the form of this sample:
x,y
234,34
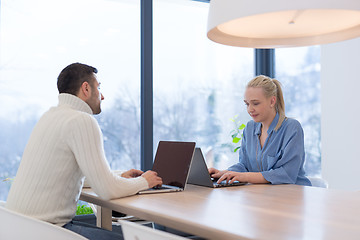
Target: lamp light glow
x,y
282,23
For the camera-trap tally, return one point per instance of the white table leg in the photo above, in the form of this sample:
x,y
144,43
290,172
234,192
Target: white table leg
x,y
104,218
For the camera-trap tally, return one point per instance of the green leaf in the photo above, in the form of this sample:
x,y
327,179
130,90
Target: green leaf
x,y
235,133
83,209
8,180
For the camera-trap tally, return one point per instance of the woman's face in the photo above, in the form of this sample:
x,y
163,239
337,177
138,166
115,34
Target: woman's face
x,y
259,107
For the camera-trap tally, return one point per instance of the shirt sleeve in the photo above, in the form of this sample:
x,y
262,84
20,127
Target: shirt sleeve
x,y
86,142
290,158
243,156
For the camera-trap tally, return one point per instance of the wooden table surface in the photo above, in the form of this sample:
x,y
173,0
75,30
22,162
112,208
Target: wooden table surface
x,y
257,211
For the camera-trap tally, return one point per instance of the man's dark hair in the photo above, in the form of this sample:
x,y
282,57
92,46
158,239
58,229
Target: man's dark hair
x,y
71,77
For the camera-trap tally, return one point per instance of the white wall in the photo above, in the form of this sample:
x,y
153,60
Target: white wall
x,y
340,114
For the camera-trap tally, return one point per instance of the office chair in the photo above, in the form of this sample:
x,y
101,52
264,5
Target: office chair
x,y
18,226
133,231
318,182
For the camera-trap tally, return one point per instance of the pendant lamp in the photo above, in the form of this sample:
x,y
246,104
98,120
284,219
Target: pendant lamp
x,y
282,23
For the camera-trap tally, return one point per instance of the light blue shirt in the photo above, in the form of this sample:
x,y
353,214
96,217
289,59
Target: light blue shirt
x,y
281,160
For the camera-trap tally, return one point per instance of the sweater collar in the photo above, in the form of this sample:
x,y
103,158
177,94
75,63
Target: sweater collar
x,y
271,128
74,102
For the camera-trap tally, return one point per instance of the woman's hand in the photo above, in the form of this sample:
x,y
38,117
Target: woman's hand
x,y
231,177
215,173
247,177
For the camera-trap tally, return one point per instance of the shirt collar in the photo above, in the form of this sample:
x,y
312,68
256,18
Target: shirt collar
x,y
271,128
74,102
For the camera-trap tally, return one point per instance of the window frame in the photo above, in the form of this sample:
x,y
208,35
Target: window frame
x,y
264,64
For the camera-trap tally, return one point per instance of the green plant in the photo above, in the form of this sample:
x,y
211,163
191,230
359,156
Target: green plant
x,y
83,209
236,133
8,180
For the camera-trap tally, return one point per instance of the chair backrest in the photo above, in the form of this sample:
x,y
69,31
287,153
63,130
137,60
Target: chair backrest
x,y
18,226
134,231
318,182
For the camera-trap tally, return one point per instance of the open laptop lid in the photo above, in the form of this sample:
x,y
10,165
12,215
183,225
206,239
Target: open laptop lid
x,y
172,162
199,174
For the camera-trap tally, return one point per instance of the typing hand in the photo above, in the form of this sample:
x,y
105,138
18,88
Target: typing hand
x,y
132,173
152,178
230,177
214,173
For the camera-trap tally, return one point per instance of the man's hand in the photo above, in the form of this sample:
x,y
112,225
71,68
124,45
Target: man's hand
x,y
152,178
216,173
132,173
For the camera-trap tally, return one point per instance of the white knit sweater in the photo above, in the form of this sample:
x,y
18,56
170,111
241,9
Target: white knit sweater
x,y
65,145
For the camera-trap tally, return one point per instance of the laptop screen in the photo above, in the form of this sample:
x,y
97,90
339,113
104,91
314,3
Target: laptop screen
x,y
172,162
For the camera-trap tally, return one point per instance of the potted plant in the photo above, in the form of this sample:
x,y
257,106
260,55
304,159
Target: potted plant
x,y
237,132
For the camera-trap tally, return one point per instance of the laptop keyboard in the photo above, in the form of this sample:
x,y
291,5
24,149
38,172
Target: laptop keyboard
x,y
159,187
223,183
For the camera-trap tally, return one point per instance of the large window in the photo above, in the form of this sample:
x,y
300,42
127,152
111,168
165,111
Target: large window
x,y
298,69
198,84
38,39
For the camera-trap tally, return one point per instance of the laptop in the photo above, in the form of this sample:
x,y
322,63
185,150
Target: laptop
x,y
172,164
199,173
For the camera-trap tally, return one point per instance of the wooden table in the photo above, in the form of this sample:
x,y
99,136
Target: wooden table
x,y
259,211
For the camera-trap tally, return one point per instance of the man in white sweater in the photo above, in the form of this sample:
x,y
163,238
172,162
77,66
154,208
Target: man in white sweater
x,y
65,146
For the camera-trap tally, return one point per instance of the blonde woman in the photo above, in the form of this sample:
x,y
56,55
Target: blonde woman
x,y
272,148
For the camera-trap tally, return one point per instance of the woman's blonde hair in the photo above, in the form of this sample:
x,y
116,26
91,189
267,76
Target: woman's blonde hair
x,y
271,87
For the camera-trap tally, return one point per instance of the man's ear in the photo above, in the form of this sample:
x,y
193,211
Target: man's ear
x,y
84,91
